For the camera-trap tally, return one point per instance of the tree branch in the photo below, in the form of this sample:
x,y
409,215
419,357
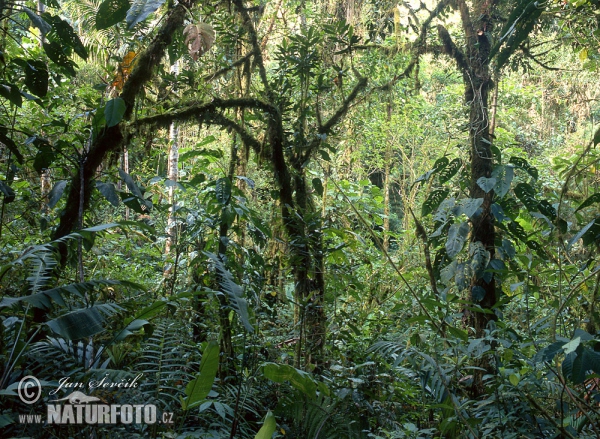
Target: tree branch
x,y
451,49
111,138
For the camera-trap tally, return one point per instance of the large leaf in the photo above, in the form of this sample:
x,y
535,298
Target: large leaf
x,y
233,291
487,184
12,93
198,389
589,201
457,235
298,378
60,55
36,77
114,111
7,191
64,34
579,234
56,193
111,12
524,164
10,143
434,200
199,38
268,427
78,324
109,192
37,21
140,9
223,190
480,258
449,171
526,194
504,175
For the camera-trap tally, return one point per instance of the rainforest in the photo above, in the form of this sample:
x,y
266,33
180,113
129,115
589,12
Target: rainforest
x,y
306,219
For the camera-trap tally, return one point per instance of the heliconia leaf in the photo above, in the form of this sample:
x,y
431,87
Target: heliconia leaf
x,y
56,193
114,111
78,324
111,12
449,171
37,21
589,201
434,199
198,389
140,9
199,38
268,427
457,235
524,164
526,194
108,190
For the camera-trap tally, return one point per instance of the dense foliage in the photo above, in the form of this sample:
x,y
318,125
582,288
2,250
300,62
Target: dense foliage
x,y
301,219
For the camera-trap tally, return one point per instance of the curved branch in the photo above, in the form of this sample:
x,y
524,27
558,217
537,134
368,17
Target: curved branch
x,y
110,139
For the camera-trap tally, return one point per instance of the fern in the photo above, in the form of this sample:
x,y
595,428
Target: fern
x,y
167,365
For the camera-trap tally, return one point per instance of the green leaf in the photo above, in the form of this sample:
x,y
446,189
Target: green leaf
x,y
198,389
299,379
12,93
235,293
487,184
449,171
60,55
504,175
66,36
579,234
589,201
514,379
316,182
223,190
524,164
56,193
433,201
268,427
457,235
517,230
111,12
572,345
477,293
526,194
469,206
37,21
10,143
140,9
36,77
108,191
7,191
549,352
78,324
458,333
114,111
480,258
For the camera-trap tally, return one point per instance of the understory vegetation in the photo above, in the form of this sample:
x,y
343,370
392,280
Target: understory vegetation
x,y
296,219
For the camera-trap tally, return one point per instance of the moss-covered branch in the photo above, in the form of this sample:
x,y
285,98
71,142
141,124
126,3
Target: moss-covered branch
x,y
110,139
